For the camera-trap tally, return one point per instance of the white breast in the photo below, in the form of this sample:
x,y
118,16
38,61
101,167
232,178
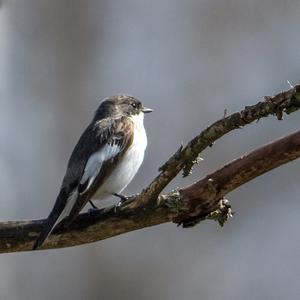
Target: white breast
x,y
130,163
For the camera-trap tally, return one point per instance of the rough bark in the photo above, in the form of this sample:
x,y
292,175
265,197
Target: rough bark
x,y
202,200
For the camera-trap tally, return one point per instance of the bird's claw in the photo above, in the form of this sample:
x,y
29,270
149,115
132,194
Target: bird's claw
x,y
123,199
93,205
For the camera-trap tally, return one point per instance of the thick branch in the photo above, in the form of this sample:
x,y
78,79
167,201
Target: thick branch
x,y
202,197
195,201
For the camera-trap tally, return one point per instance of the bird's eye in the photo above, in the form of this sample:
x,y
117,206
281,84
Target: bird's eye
x,y
134,105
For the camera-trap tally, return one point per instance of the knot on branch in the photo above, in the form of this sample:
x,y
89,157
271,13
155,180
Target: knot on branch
x,y
221,214
171,201
284,102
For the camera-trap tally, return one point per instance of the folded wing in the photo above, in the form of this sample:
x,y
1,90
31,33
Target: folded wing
x,y
94,157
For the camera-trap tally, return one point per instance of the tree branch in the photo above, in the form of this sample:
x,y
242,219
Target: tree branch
x,y
199,201
185,157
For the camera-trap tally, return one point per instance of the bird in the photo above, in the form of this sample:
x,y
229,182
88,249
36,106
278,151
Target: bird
x,y
104,161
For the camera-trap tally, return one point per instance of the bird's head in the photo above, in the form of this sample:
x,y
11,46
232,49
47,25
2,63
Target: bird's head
x,y
121,105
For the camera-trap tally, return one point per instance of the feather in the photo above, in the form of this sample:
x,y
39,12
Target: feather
x,y
94,164
94,157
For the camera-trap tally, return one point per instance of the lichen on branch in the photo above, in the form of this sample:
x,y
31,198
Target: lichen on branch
x,y
187,206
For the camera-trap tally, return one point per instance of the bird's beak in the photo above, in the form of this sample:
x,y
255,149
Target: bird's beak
x,y
146,110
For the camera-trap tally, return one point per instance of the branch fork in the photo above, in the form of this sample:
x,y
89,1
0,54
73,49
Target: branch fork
x,y
186,206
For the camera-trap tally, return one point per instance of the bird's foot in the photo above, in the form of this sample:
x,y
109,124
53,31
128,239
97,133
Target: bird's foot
x,y
123,199
93,205
93,208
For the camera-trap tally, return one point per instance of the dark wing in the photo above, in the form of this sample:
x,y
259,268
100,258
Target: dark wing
x,y
92,140
101,163
100,145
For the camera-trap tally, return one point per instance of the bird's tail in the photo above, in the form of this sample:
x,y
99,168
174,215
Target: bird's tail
x,y
57,214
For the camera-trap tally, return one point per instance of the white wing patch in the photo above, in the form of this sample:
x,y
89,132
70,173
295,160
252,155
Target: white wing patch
x,y
95,162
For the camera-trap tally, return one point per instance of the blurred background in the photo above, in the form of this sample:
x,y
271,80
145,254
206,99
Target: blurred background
x,y
188,60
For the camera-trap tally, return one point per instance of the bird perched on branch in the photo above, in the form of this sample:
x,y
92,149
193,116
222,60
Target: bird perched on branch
x,y
104,161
